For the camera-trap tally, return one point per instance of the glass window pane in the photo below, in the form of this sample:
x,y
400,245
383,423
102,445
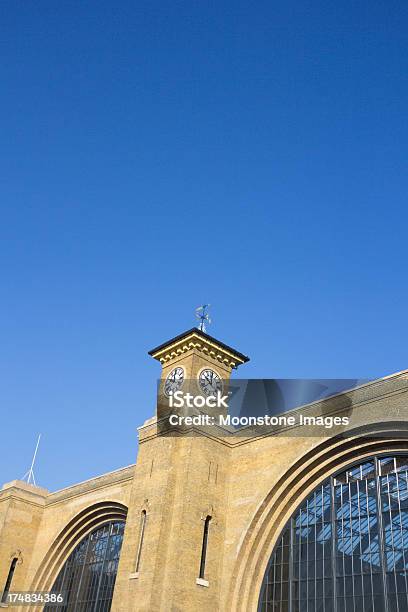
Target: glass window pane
x,y
88,576
365,536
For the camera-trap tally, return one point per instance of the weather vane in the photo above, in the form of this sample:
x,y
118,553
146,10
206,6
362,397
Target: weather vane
x,y
203,316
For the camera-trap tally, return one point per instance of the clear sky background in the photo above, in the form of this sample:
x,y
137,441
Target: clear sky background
x,y
160,155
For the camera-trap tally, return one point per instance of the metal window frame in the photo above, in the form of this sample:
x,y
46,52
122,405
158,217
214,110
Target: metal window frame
x,y
357,521
91,604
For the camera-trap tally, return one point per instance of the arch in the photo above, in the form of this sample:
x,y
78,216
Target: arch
x,y
344,547
88,576
291,490
81,525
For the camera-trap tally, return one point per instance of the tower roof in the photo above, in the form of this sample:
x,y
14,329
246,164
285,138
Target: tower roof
x,y
189,339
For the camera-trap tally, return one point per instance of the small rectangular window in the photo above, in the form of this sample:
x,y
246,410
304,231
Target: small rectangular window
x,y
9,579
141,537
204,546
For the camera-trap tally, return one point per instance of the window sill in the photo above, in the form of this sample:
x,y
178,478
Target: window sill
x,y
133,576
202,582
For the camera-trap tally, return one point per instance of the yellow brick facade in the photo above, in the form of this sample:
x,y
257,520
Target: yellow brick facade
x,y
249,486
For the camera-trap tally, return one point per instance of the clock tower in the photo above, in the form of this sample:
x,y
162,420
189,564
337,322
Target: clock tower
x,y
195,361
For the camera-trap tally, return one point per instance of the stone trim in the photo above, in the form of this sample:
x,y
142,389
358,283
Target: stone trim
x,y
204,345
74,531
360,397
274,511
104,480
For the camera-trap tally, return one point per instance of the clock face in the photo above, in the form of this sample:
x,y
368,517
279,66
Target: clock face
x,y
210,381
174,381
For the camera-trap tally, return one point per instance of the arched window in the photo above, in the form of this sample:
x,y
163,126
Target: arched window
x,y
88,576
9,579
141,537
346,548
204,546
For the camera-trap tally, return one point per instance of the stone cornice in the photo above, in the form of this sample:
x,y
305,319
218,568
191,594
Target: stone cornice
x,y
19,489
360,399
200,342
98,482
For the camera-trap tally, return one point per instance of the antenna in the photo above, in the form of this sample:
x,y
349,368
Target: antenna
x,y
30,474
203,317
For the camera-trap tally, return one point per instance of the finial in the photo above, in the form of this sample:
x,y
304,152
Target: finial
x,y
203,317
30,474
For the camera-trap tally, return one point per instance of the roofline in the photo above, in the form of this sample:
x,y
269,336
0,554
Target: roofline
x,y
203,335
76,484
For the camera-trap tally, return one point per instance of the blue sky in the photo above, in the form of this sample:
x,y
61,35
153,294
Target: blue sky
x,y
159,155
